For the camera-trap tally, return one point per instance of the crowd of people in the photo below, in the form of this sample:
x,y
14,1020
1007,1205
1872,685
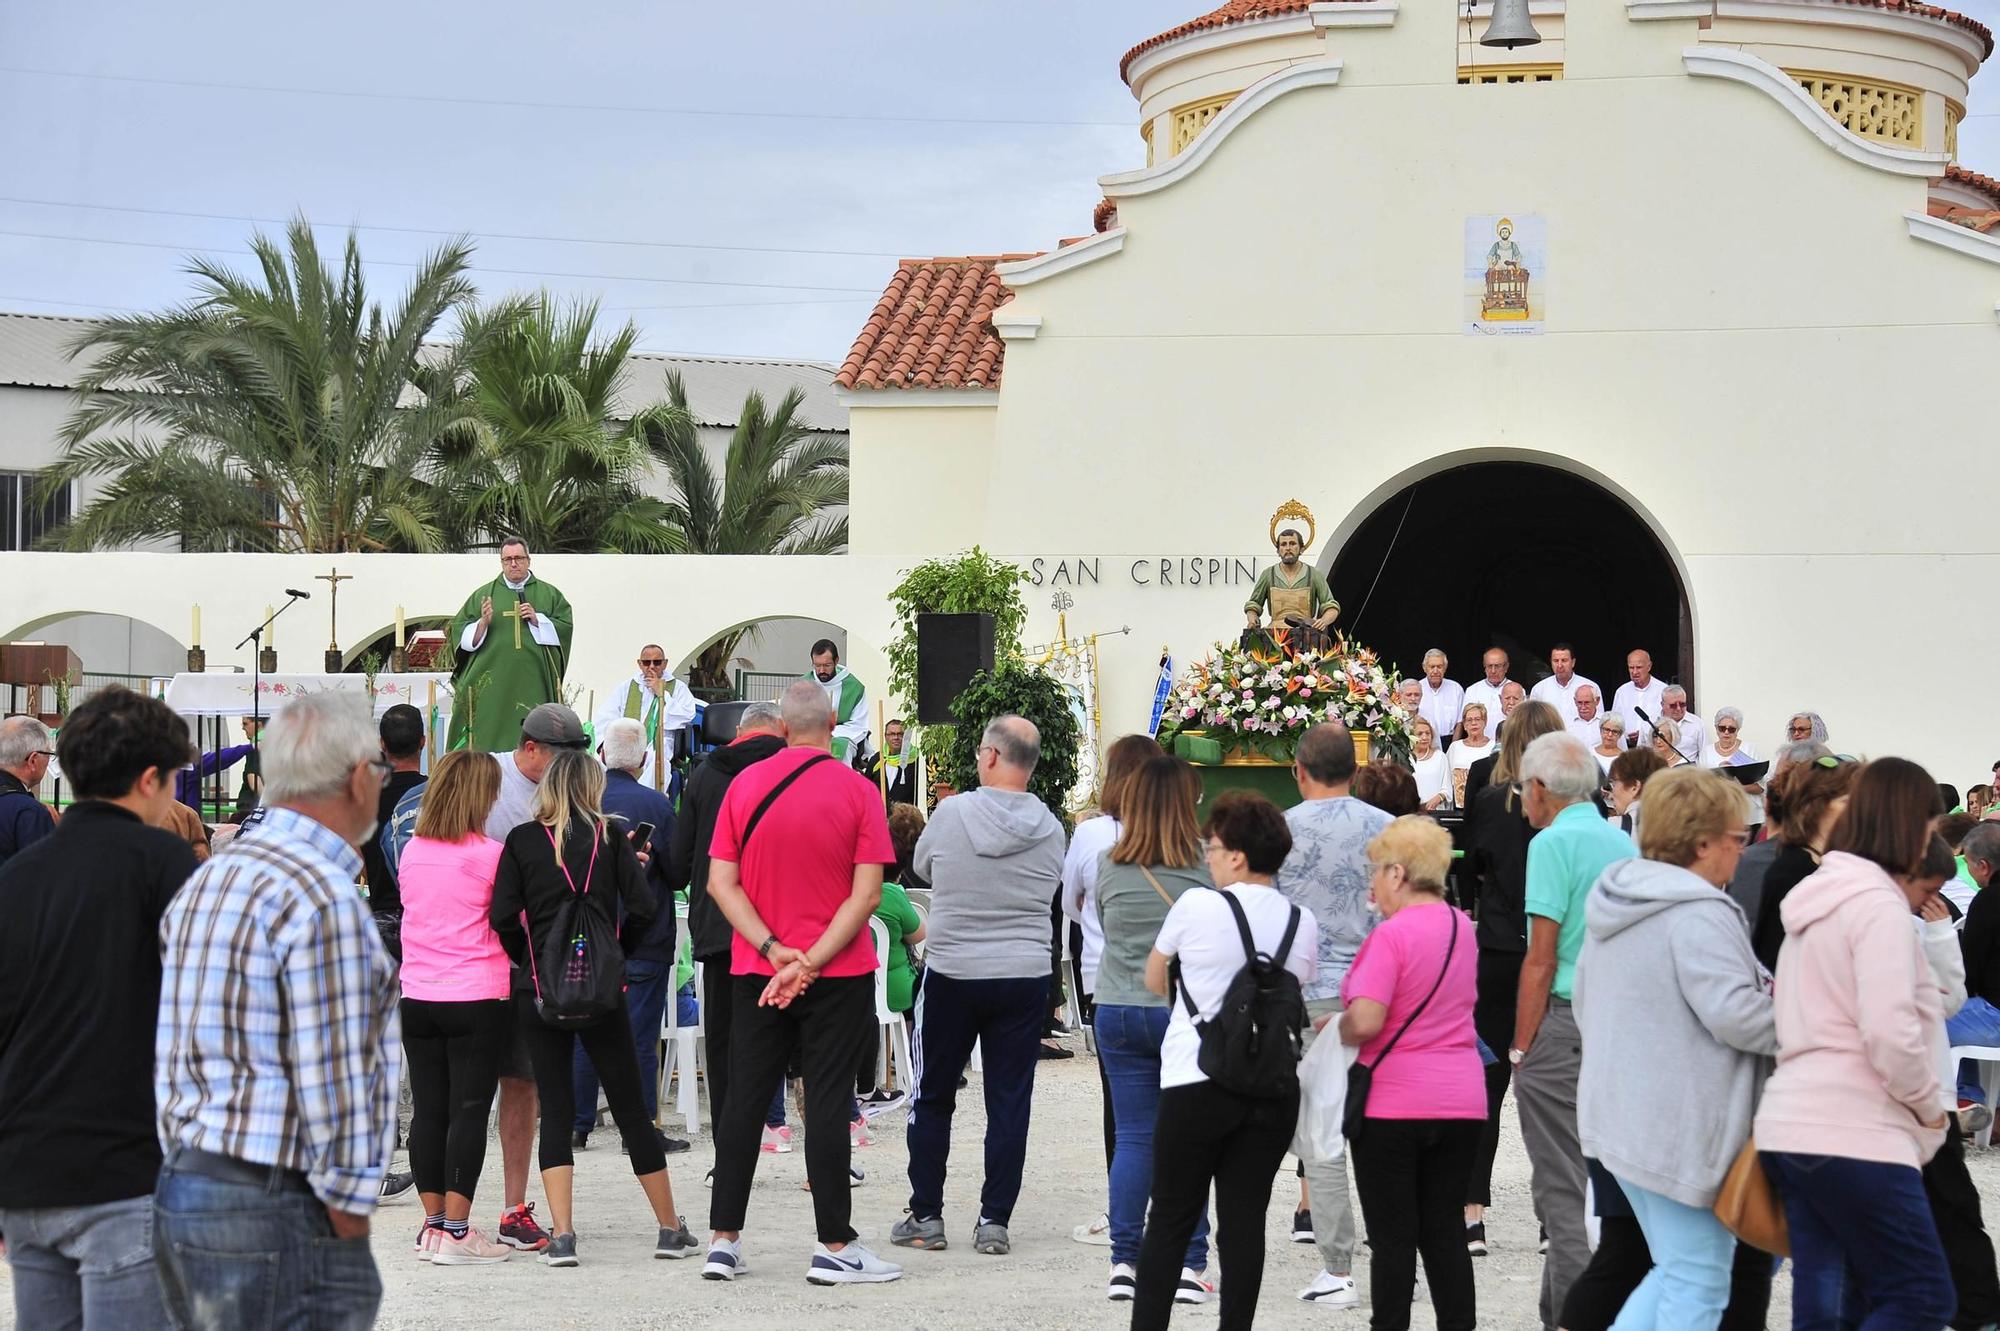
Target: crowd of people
x,y
1672,966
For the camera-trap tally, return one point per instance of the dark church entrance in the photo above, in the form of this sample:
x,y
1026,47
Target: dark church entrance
x,y
1520,556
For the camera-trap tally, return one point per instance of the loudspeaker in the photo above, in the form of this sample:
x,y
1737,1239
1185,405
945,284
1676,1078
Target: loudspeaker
x,y
951,649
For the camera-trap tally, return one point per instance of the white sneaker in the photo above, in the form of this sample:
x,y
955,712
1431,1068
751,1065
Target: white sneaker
x,y
1123,1284
1194,1287
725,1260
1097,1233
475,1249
852,1265
1332,1291
777,1140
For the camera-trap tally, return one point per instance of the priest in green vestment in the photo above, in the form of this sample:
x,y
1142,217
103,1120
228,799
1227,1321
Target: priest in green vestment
x,y
656,700
512,640
849,699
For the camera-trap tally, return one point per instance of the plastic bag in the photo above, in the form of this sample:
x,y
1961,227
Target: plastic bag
x,y
1322,1098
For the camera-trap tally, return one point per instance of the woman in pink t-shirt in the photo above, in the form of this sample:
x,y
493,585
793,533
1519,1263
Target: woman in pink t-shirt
x,y
1407,1002
456,1017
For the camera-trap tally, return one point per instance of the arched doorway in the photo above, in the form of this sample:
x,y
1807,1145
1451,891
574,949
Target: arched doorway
x,y
1518,554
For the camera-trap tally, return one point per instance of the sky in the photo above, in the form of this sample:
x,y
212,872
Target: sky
x,y
736,179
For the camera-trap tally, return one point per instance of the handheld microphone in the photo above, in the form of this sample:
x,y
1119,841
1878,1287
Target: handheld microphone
x,y
307,596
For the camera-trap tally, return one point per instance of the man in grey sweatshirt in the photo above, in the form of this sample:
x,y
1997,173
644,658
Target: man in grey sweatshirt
x,y
994,860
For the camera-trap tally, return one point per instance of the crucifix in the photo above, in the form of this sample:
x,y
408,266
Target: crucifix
x,y
514,613
333,580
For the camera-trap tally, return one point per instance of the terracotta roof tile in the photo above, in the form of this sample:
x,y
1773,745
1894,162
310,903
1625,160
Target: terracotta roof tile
x,y
933,327
1105,215
1972,219
1972,180
1245,11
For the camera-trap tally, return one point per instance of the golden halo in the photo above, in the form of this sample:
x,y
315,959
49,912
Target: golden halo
x,y
1507,222
1292,508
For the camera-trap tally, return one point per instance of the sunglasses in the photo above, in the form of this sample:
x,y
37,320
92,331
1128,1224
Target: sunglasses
x,y
1833,760
652,660
1725,730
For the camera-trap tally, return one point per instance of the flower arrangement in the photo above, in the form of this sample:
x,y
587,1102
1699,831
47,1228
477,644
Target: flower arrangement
x,y
1262,701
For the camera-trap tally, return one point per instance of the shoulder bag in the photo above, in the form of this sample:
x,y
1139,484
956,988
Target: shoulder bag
x,y
1749,1207
1360,1076
763,806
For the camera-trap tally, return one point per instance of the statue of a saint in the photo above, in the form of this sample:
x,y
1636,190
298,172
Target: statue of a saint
x,y
1295,592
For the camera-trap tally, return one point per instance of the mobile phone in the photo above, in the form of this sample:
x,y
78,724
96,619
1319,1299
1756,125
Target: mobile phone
x,y
642,835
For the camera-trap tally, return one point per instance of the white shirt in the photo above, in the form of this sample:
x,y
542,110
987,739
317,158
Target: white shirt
x,y
1464,753
1481,692
1201,931
679,713
1442,707
1590,732
852,728
516,804
543,630
1691,735
1630,697
1087,845
1433,776
1562,696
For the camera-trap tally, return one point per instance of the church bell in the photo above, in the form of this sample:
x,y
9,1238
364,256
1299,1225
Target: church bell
x,y
1510,25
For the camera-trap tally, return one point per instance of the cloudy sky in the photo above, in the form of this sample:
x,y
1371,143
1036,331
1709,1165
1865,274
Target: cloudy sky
x,y
736,179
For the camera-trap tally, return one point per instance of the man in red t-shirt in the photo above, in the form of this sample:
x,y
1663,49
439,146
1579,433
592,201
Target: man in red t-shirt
x,y
796,867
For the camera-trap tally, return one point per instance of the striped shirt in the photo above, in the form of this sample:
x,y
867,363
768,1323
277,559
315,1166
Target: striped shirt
x,y
279,1042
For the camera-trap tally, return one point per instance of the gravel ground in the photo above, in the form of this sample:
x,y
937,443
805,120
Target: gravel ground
x,y
1048,1283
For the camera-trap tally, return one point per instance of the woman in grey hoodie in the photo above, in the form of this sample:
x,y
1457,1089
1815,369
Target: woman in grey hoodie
x,y
1674,1011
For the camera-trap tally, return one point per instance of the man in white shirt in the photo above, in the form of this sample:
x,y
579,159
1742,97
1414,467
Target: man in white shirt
x,y
1443,700
1584,724
1512,695
1642,691
1487,690
1693,732
1559,689
849,699
1410,697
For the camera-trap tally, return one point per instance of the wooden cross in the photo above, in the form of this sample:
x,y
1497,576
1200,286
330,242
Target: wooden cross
x,y
515,614
333,579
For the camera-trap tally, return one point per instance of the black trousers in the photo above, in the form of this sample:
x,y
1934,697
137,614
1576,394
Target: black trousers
x,y
609,1046
829,1024
1411,1175
1204,1133
718,1003
1967,1249
1493,1018
454,1057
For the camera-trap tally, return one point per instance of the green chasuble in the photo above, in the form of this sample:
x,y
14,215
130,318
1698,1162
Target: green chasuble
x,y
1311,581
510,674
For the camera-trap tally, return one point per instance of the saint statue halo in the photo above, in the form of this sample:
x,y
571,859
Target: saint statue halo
x,y
1294,516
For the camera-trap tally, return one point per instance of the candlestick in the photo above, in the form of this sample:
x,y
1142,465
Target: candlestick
x,y
195,641
399,629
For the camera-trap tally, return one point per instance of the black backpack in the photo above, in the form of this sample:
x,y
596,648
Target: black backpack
x,y
580,955
1252,1045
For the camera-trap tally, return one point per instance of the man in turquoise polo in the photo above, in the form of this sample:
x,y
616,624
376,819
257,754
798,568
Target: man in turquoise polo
x,y
1572,846
849,698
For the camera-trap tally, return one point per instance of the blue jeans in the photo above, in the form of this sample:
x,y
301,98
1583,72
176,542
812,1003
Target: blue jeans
x,y
1977,1023
646,990
79,1268
1128,1043
1873,1264
1693,1253
1005,1017
237,1254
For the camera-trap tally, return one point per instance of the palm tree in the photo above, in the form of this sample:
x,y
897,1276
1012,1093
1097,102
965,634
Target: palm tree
x,y
267,413
773,496
537,453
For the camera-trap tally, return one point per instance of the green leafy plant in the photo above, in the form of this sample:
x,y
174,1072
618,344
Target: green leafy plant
x,y
970,583
1028,692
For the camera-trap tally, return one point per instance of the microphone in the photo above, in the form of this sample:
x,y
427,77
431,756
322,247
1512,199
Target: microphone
x,y
307,596
1640,712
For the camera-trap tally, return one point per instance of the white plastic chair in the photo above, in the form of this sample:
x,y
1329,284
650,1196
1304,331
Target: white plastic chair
x,y
682,1049
1988,1059
895,1035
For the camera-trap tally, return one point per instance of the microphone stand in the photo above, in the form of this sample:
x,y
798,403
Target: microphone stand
x,y
256,637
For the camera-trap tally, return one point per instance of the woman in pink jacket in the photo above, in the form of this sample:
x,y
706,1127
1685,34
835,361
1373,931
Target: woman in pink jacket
x,y
1853,1111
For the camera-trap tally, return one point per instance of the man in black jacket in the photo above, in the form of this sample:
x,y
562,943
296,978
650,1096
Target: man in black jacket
x,y
759,734
79,1005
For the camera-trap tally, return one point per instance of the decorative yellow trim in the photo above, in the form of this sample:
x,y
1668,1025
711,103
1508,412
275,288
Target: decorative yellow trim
x,y
1500,75
1192,119
1146,133
1885,112
1953,113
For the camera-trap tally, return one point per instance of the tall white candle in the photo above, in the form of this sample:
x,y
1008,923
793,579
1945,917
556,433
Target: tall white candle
x,y
196,642
399,628
271,633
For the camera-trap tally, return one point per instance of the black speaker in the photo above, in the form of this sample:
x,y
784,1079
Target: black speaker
x,y
951,649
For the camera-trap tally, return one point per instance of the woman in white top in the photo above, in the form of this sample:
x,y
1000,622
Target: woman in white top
x,y
1610,729
1463,754
1431,768
1727,749
1667,741
1087,845
1205,1134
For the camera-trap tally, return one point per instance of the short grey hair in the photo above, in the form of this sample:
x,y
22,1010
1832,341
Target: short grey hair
x,y
313,743
1667,730
1730,714
1613,722
624,745
1015,739
1982,843
1673,691
1437,652
1591,689
1813,719
1564,765
806,711
766,716
21,737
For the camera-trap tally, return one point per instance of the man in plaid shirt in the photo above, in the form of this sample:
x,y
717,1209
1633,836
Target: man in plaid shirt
x,y
279,1049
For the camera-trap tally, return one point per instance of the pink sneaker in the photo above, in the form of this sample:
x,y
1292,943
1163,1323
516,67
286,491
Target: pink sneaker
x,y
857,1134
475,1249
778,1140
427,1241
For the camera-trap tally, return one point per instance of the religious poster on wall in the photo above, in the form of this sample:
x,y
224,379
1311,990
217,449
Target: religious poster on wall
x,y
1073,662
1506,274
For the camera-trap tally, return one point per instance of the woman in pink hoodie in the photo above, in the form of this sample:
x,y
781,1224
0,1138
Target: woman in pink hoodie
x,y
1853,1111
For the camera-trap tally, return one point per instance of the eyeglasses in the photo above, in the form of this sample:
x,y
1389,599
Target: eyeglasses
x,y
652,660
513,559
1740,835
1833,760
43,753
985,749
383,767
1725,730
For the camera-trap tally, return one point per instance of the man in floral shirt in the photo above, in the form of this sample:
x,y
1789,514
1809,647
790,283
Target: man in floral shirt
x,y
1327,873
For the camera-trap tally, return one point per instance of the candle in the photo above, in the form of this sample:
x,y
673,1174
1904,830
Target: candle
x,y
399,628
197,628
270,631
